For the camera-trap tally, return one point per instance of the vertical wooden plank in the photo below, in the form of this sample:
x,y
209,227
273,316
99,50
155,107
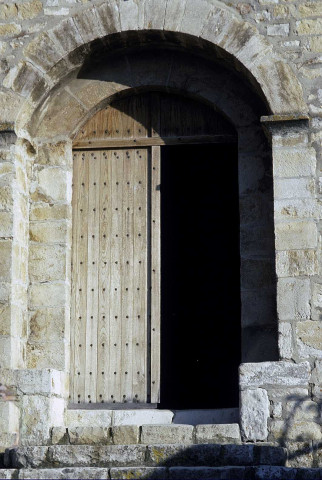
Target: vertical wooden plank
x,y
104,278
139,338
155,274
115,299
127,277
79,273
92,278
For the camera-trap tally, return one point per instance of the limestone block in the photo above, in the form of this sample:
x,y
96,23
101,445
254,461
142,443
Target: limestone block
x,y
294,188
316,301
46,382
9,417
167,434
5,260
8,11
42,52
309,26
47,325
47,263
228,433
86,473
296,235
154,14
6,198
282,373
91,92
192,455
29,10
9,29
40,413
300,454
83,418
301,431
5,319
33,457
89,456
141,417
89,435
6,224
128,473
109,17
278,473
23,78
294,163
297,409
254,414
47,294
285,340
58,154
309,339
293,298
44,354
294,263
297,208
131,15
53,184
59,436
8,473
279,29
195,15
44,212
125,434
66,35
45,232
89,25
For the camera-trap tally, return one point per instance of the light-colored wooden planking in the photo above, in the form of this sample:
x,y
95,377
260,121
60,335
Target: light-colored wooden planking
x,y
140,307
127,277
79,273
92,276
155,323
115,296
103,367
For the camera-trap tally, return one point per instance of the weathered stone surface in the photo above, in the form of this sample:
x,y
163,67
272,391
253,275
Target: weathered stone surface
x,y
296,235
254,414
309,339
9,417
293,299
278,473
300,454
44,212
89,25
83,418
139,472
207,473
229,433
294,163
59,436
238,455
140,417
267,455
47,263
301,431
53,183
274,373
164,434
294,263
285,340
9,473
89,435
173,455
285,188
65,473
46,382
54,232
85,455
51,294
32,457
125,434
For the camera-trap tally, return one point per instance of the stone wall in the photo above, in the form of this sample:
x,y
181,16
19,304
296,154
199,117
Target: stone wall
x,y
43,46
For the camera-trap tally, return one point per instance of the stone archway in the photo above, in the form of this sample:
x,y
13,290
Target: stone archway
x,y
58,101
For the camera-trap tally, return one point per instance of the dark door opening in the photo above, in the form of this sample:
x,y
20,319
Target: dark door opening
x,y
200,268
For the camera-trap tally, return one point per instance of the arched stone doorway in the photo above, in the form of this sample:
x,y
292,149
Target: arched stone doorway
x,y
62,93
153,279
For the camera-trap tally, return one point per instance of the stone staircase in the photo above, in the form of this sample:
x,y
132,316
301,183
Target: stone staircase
x,y
172,451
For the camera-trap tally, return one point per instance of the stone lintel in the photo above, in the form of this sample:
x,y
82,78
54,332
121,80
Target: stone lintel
x,y
292,117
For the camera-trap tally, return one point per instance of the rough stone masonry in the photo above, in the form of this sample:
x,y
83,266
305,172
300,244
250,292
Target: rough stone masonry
x,y
276,47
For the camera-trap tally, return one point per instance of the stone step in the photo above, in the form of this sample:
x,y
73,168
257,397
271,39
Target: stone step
x,y
264,472
169,455
146,434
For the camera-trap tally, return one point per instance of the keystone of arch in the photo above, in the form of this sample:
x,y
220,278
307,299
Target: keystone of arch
x,y
56,54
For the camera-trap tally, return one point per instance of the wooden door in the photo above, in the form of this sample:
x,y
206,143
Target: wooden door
x,y
116,277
